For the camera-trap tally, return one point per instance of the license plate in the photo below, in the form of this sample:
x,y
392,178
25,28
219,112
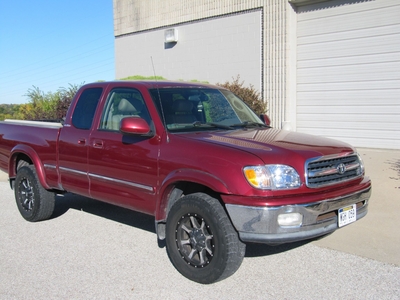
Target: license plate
x,y
347,215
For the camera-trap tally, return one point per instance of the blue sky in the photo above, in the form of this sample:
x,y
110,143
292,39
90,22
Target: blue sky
x,y
51,44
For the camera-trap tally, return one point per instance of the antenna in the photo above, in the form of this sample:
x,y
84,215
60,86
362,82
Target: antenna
x,y
159,99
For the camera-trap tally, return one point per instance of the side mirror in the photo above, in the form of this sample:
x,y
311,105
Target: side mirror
x,y
265,119
134,125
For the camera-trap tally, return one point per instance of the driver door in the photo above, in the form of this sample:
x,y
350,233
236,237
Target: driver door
x,y
123,168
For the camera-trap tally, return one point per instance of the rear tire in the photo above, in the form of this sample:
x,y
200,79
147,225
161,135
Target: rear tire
x,y
201,241
33,201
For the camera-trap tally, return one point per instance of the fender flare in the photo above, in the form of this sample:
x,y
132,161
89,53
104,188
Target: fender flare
x,y
186,175
34,157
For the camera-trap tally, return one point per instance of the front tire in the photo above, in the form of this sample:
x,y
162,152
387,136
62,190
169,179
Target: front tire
x,y
33,201
201,241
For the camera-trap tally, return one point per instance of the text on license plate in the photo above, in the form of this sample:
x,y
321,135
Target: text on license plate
x,y
347,215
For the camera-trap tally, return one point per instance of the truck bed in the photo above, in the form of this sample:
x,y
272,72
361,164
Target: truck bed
x,y
34,123
30,137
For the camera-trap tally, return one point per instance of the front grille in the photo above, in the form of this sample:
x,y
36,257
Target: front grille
x,y
329,170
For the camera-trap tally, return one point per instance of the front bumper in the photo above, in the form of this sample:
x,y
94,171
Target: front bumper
x,y
260,225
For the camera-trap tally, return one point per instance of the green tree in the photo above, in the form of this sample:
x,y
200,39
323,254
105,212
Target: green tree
x,y
6,111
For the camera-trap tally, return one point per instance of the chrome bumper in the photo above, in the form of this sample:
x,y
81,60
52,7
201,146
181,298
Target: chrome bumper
x,y
260,225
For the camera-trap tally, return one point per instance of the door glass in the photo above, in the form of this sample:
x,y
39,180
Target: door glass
x,y
123,103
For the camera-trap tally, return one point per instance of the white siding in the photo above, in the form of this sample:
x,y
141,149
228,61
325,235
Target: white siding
x,y
348,71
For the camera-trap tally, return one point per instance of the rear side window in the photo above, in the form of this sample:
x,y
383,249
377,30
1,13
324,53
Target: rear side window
x,y
86,108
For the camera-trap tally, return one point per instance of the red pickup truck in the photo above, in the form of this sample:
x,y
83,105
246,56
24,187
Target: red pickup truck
x,y
212,173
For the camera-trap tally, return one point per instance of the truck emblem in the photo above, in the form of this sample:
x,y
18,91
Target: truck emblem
x,y
341,168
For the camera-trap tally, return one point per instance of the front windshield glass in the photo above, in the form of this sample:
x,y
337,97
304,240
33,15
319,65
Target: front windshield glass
x,y
188,109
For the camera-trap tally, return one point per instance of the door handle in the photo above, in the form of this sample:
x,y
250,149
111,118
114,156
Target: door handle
x,y
98,144
81,141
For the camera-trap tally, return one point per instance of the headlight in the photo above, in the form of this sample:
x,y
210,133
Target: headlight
x,y
360,170
274,177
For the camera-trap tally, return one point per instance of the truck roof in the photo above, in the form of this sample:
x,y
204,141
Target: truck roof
x,y
155,84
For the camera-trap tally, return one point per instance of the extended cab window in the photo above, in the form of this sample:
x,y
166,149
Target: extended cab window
x,y
121,103
86,108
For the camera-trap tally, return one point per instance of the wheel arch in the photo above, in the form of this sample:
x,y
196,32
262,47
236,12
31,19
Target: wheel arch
x,y
24,155
181,183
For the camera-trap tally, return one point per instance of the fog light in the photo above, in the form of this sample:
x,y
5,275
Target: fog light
x,y
291,219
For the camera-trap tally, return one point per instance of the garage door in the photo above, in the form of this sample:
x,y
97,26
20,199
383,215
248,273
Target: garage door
x,y
348,71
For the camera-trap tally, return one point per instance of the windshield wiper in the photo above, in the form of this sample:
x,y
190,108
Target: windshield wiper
x,y
216,125
250,124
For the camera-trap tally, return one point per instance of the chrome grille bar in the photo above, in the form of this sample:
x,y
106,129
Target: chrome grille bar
x,y
329,170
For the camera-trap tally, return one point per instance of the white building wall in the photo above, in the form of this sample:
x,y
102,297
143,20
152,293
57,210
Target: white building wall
x,y
212,50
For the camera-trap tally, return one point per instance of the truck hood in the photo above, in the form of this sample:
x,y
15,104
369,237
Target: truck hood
x,y
273,145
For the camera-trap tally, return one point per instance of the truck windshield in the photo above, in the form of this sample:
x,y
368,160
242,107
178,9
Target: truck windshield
x,y
188,109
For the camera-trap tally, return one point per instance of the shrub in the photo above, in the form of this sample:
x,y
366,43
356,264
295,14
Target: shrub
x,y
66,96
249,94
140,77
42,106
46,106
